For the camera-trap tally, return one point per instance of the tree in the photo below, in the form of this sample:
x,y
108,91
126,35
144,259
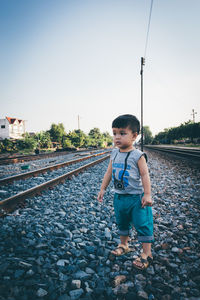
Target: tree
x,y
148,137
77,137
28,142
96,137
57,132
107,139
44,140
188,130
8,146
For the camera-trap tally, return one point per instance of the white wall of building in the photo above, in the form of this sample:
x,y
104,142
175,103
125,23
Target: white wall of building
x,y
14,130
4,129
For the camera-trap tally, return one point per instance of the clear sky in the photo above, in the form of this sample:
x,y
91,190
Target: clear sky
x,y
64,58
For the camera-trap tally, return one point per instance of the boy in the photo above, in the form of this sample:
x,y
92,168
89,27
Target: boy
x,y
132,199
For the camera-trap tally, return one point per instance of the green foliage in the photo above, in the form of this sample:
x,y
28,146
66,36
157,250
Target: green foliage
x,y
188,130
7,146
96,138
43,140
57,132
66,142
77,138
27,142
148,137
107,139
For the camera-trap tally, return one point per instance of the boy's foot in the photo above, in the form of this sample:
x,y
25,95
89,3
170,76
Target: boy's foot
x,y
121,249
143,261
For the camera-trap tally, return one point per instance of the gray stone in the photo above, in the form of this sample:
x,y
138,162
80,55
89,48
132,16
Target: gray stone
x,y
41,292
81,275
89,271
76,284
64,297
76,294
175,249
62,262
142,295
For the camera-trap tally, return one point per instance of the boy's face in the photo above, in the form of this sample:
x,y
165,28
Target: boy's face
x,y
124,138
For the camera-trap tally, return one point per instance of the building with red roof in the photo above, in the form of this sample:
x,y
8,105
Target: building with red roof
x,y
11,128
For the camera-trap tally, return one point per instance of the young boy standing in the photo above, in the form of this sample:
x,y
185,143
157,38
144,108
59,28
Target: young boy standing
x,y
132,199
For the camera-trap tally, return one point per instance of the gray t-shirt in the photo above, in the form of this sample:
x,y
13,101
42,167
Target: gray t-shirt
x,y
131,179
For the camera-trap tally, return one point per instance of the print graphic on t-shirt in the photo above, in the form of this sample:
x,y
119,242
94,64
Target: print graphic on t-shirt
x,y
125,177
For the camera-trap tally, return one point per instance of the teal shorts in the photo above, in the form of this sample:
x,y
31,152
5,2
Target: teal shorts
x,y
129,213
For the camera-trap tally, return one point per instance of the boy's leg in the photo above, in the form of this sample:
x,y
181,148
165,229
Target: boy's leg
x,y
142,219
124,242
123,223
143,223
146,249
143,261
124,239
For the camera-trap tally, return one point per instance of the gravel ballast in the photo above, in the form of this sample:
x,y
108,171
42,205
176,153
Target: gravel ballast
x,y
58,246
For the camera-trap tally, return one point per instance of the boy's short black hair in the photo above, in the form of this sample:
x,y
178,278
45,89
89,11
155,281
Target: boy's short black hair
x,y
124,121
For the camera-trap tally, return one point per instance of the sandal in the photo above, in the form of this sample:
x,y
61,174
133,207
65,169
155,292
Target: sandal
x,y
121,250
143,262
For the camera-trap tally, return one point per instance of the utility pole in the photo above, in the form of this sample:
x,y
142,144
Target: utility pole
x,y
79,130
193,115
142,130
78,122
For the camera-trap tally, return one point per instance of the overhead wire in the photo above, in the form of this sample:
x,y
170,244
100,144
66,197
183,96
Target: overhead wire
x,y
141,73
148,29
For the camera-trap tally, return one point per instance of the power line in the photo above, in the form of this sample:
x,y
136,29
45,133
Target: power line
x,y
141,73
147,36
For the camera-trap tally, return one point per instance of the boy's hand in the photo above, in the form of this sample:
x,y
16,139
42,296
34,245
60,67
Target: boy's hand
x,y
100,195
146,200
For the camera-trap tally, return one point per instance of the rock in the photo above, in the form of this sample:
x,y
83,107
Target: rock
x,y
108,234
68,234
60,242
41,246
76,284
19,273
121,289
89,271
62,262
150,270
142,295
64,297
81,275
175,250
41,292
63,277
76,294
3,193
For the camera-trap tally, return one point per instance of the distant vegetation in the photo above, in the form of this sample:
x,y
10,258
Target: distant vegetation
x,y
188,132
57,138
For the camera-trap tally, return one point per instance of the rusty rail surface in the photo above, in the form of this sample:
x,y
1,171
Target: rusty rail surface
x,y
10,179
9,204
22,158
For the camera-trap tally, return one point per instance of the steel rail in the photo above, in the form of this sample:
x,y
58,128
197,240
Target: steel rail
x,y
8,205
10,179
23,158
190,153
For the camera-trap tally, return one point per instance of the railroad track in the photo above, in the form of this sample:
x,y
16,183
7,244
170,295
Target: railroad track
x,y
190,153
9,204
34,173
23,158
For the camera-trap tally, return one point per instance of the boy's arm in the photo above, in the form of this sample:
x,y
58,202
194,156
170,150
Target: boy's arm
x,y
105,182
146,200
